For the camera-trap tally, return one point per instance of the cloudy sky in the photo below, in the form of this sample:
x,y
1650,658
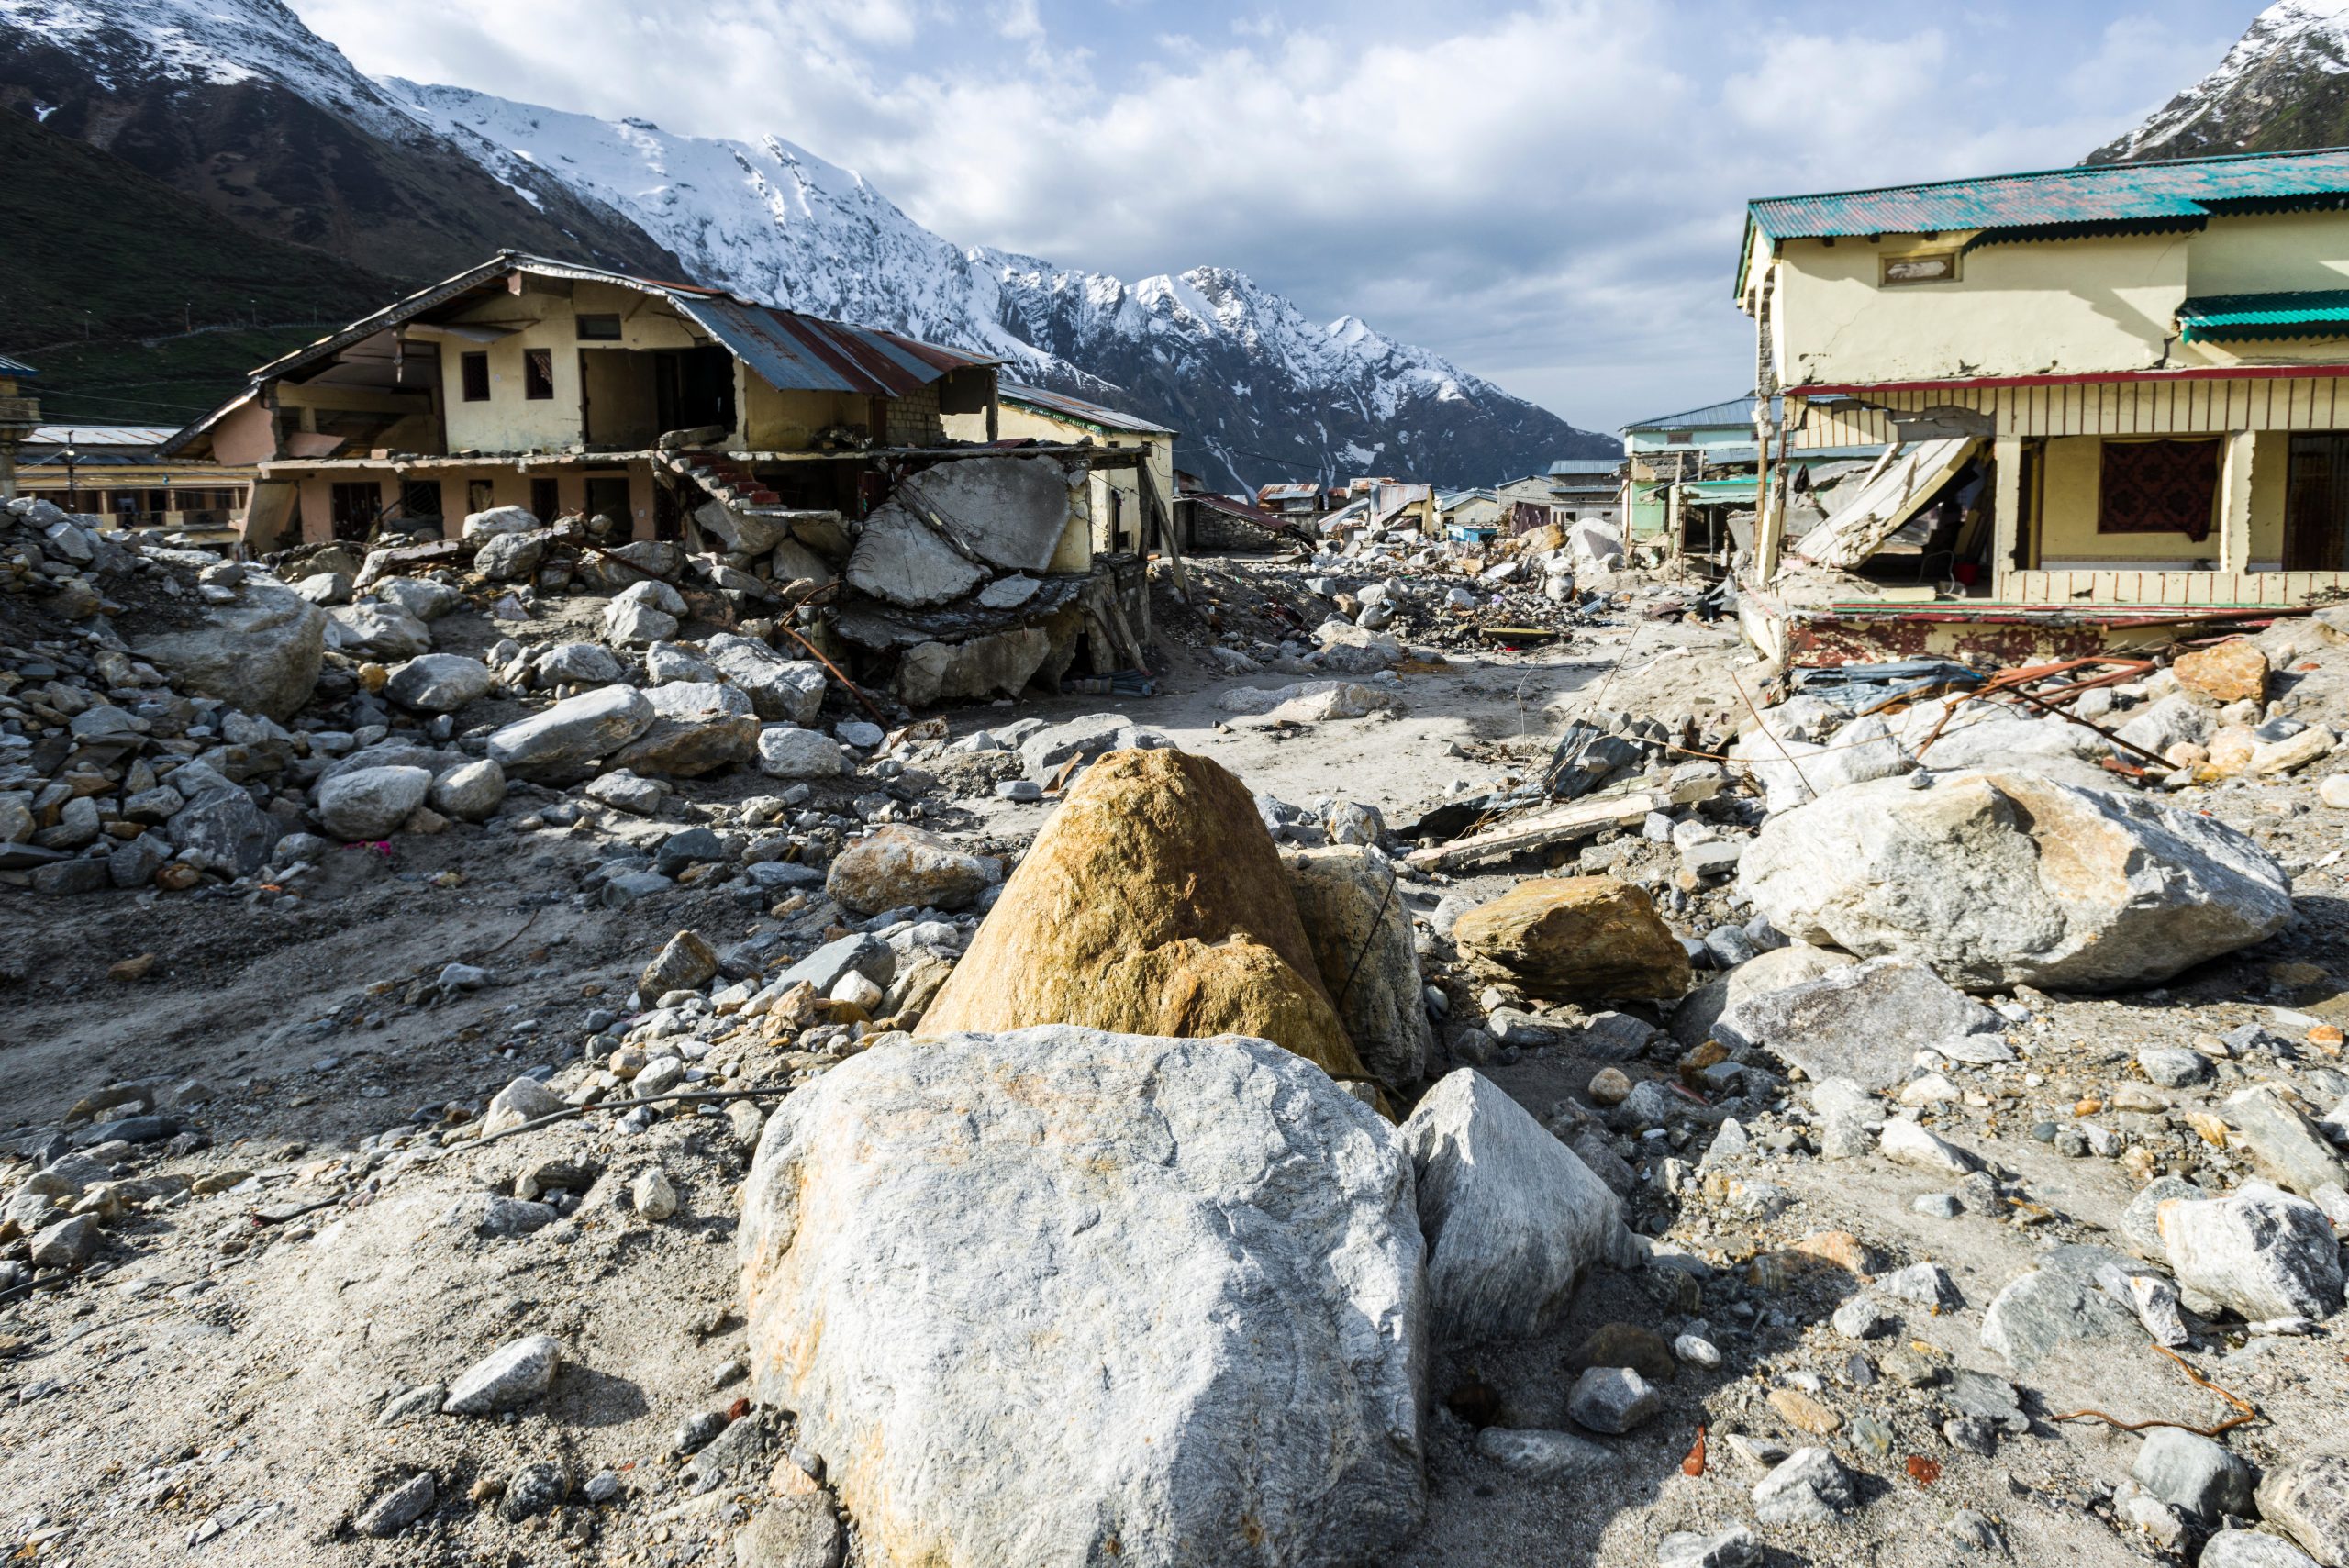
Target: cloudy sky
x,y
1549,194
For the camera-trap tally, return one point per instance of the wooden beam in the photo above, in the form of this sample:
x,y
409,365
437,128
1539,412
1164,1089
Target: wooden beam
x,y
1583,819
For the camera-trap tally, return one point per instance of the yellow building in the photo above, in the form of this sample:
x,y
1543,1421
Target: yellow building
x,y
2151,362
115,476
567,389
1130,507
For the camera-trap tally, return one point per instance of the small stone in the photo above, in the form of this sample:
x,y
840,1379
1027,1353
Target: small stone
x,y
1612,1399
1912,1145
2193,1473
523,1100
2251,1549
1802,1411
1937,1206
409,1403
1874,1433
1860,1319
1971,1434
2173,1068
655,1197
66,1244
1730,1548
1541,1453
399,1507
508,1376
1609,1087
685,961
697,1432
1927,1284
801,1531
1696,1350
534,1489
1809,1487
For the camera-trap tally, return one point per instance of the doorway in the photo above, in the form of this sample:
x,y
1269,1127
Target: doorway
x,y
2316,504
607,497
693,387
355,508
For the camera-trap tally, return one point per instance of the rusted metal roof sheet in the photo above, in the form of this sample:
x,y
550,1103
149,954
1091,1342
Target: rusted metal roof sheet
x,y
1060,403
1301,490
2188,189
808,353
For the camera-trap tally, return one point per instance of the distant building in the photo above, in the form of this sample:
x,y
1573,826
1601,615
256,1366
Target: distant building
x,y
115,476
19,413
1299,500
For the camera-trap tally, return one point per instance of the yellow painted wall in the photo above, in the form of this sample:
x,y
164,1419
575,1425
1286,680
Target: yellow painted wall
x,y
511,422
2027,309
789,421
2067,519
510,486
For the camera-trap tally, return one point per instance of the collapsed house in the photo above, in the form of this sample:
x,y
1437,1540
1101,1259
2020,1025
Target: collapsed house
x,y
856,485
2113,391
1691,480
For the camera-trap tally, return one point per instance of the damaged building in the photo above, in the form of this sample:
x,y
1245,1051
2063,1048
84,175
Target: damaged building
x,y
2113,393
882,499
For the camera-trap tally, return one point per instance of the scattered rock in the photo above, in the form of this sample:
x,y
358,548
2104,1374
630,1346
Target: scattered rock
x,y
1864,1022
372,803
2262,1252
505,1377
1612,1399
1809,1487
1512,1219
1361,935
2193,1473
2308,1499
1577,938
401,1507
900,867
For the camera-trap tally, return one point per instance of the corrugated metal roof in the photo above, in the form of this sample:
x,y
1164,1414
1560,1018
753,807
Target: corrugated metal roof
x,y
1737,412
2227,318
15,367
1586,465
793,352
1293,490
1047,402
100,435
2190,189
1708,491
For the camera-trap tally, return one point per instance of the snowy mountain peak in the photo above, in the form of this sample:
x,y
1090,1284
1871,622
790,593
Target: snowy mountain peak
x,y
218,41
2279,87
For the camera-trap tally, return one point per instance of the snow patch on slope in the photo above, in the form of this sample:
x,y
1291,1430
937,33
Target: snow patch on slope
x,y
2290,38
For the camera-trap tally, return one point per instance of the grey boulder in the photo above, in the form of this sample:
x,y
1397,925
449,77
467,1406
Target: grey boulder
x,y
512,1374
1208,1237
378,630
560,744
259,654
2308,1499
2190,1472
1361,934
697,727
471,792
2056,1308
1512,1219
2005,877
372,803
1862,1021
437,683
900,557
1809,1487
791,690
2262,1252
221,830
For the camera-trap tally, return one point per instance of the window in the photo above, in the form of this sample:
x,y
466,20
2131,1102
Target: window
x,y
1925,267
472,369
352,509
538,374
2158,487
599,328
546,499
420,498
480,496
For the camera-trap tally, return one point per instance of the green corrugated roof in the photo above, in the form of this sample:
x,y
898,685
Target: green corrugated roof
x,y
1745,489
2231,318
2184,188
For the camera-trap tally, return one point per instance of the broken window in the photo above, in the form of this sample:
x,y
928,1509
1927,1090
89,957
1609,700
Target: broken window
x,y
599,328
2159,487
420,498
473,371
538,374
1933,267
481,495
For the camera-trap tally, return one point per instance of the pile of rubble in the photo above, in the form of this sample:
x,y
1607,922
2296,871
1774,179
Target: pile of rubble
x,y
1719,1134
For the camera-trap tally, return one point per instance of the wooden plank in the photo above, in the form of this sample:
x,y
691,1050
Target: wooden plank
x,y
1582,819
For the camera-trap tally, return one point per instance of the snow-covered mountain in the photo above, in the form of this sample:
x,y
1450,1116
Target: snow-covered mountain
x,y
2284,85
238,103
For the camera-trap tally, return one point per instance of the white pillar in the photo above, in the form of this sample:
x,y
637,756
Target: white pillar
x,y
2005,531
2235,502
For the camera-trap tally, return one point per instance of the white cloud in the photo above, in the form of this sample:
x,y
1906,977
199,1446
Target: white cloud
x,y
1550,194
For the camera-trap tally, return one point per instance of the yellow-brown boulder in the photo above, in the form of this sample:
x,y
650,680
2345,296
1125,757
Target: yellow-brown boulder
x,y
1152,902
2232,671
1575,937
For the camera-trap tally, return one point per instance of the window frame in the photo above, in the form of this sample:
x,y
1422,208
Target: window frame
x,y
538,375
472,387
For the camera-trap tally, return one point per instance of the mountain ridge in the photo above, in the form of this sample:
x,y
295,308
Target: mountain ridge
x,y
238,104
2282,87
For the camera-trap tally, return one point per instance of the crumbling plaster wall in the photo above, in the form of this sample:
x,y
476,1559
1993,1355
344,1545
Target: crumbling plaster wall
x,y
511,422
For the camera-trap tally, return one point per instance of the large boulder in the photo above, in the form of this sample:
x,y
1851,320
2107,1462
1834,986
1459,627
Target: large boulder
x,y
1716,1010
1579,938
902,558
498,520
900,867
1061,1297
1152,902
379,630
999,664
2262,1252
786,689
1511,1217
1009,511
2004,878
697,727
1361,933
438,683
222,830
1862,1021
259,654
372,803
562,743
